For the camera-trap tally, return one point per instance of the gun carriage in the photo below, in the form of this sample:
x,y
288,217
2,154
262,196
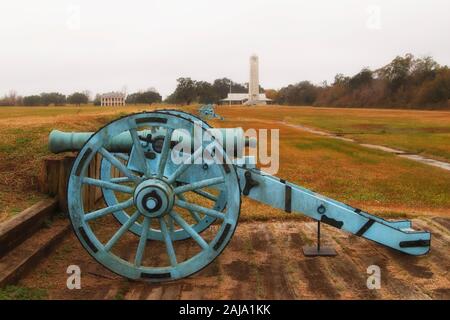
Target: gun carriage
x,y
158,199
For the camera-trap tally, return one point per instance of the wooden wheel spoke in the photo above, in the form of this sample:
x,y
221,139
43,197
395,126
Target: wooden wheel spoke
x,y
199,185
194,214
164,153
168,240
119,165
104,211
140,152
182,223
122,156
196,207
142,242
121,231
170,225
206,194
120,180
187,163
107,185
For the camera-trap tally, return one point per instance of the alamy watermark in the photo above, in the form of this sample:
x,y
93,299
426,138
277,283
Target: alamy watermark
x,y
373,21
74,278
374,279
230,146
73,21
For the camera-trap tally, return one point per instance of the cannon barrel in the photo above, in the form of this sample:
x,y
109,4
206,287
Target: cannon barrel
x,y
60,141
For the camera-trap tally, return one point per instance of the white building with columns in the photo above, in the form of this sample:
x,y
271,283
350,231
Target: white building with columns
x,y
112,99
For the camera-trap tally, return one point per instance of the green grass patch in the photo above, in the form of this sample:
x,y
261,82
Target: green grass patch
x,y
22,293
348,149
426,133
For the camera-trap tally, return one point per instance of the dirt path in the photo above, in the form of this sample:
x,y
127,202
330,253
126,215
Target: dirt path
x,y
264,261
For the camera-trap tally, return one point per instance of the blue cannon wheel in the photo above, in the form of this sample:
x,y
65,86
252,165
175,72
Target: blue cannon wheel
x,y
202,222
151,198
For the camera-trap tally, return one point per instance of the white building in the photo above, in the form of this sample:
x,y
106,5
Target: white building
x,y
243,98
112,99
253,97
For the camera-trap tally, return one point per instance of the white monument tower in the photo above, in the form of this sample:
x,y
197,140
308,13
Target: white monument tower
x,y
253,85
253,97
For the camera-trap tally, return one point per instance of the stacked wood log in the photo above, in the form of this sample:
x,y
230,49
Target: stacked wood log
x,y
54,180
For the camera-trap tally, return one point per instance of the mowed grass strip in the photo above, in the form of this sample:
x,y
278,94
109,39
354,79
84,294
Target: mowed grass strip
x,y
370,179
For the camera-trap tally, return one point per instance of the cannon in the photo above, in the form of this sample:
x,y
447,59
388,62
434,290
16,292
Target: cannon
x,y
207,112
172,218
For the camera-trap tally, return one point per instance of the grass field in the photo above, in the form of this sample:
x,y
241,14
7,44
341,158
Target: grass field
x,y
372,180
421,132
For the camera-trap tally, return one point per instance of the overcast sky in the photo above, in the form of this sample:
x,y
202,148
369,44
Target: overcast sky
x,y
59,45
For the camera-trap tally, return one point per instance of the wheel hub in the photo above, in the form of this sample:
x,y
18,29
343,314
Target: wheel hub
x,y
154,198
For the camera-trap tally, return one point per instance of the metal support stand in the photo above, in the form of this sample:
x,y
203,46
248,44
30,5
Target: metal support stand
x,y
315,251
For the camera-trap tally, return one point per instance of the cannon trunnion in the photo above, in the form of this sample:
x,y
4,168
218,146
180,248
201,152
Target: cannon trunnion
x,y
176,209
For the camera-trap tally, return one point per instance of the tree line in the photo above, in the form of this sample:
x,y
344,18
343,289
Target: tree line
x,y
405,82
44,99
76,98
189,91
144,97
